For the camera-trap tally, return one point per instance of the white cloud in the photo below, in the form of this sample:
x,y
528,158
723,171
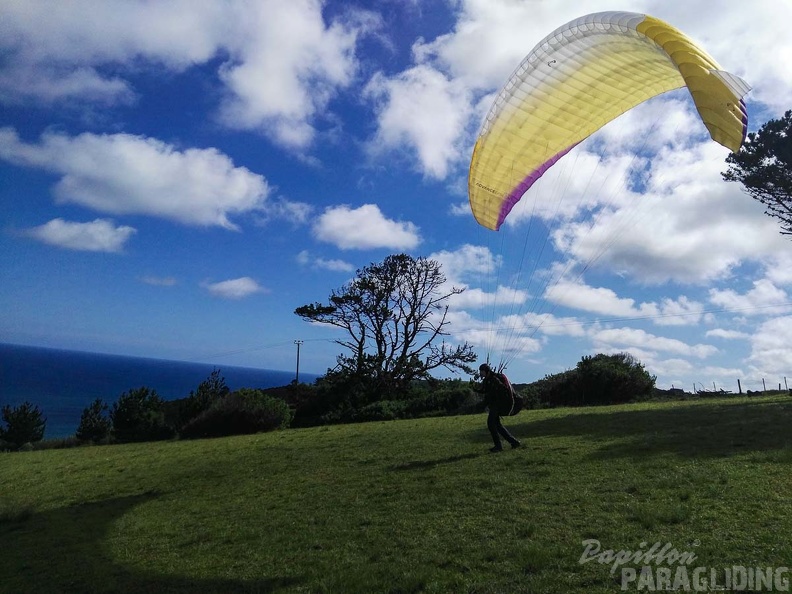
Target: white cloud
x,y
466,261
287,67
281,62
48,85
422,110
475,298
364,228
622,338
58,48
99,235
771,356
296,213
689,226
679,312
237,288
727,334
601,300
305,258
125,174
490,336
763,299
778,268
546,323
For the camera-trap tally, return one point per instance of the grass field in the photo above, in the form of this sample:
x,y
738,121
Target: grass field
x,y
406,506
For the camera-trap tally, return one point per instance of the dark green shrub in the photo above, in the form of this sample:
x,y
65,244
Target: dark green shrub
x,y
384,410
601,379
555,389
333,398
24,424
182,410
611,379
444,398
139,415
95,424
58,443
530,396
242,412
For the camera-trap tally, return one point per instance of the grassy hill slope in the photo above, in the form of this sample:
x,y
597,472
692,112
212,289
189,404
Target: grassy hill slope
x,y
405,506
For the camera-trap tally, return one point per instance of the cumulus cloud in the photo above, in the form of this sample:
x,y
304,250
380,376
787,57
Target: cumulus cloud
x,y
237,288
778,268
467,261
281,62
625,338
489,336
770,352
763,299
475,298
305,258
125,174
546,323
688,226
601,300
727,334
422,110
99,235
288,67
364,228
475,263
59,48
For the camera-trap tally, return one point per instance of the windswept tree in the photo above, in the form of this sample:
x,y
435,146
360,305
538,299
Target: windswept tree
x,y
394,314
763,165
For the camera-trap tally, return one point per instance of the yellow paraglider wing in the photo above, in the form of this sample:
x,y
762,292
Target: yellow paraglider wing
x,y
579,78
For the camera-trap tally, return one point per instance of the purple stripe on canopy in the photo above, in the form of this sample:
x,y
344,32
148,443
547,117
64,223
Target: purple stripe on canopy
x,y
517,193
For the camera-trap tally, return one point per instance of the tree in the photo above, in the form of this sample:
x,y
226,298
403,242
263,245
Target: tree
x,y
763,165
95,425
611,379
210,390
242,412
393,313
139,415
24,423
601,379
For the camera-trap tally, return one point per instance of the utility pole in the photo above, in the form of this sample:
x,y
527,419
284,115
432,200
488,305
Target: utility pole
x,y
297,378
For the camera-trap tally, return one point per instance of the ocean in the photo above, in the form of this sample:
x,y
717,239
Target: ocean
x,y
62,383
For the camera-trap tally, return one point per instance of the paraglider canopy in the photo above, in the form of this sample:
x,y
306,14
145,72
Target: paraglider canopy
x,y
580,77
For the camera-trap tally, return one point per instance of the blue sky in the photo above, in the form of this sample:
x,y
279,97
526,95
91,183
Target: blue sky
x,y
177,177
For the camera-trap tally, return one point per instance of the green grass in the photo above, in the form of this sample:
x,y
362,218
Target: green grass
x,y
404,506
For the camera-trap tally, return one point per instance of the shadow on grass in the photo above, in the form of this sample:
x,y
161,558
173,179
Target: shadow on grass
x,y
714,430
65,550
428,464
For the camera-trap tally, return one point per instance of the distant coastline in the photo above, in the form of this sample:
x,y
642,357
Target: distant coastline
x,y
63,382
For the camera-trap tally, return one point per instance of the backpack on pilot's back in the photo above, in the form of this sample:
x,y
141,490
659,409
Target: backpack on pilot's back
x,y
511,402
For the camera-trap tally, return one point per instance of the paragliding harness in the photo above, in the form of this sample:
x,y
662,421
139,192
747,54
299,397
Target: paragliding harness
x,y
507,401
513,402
